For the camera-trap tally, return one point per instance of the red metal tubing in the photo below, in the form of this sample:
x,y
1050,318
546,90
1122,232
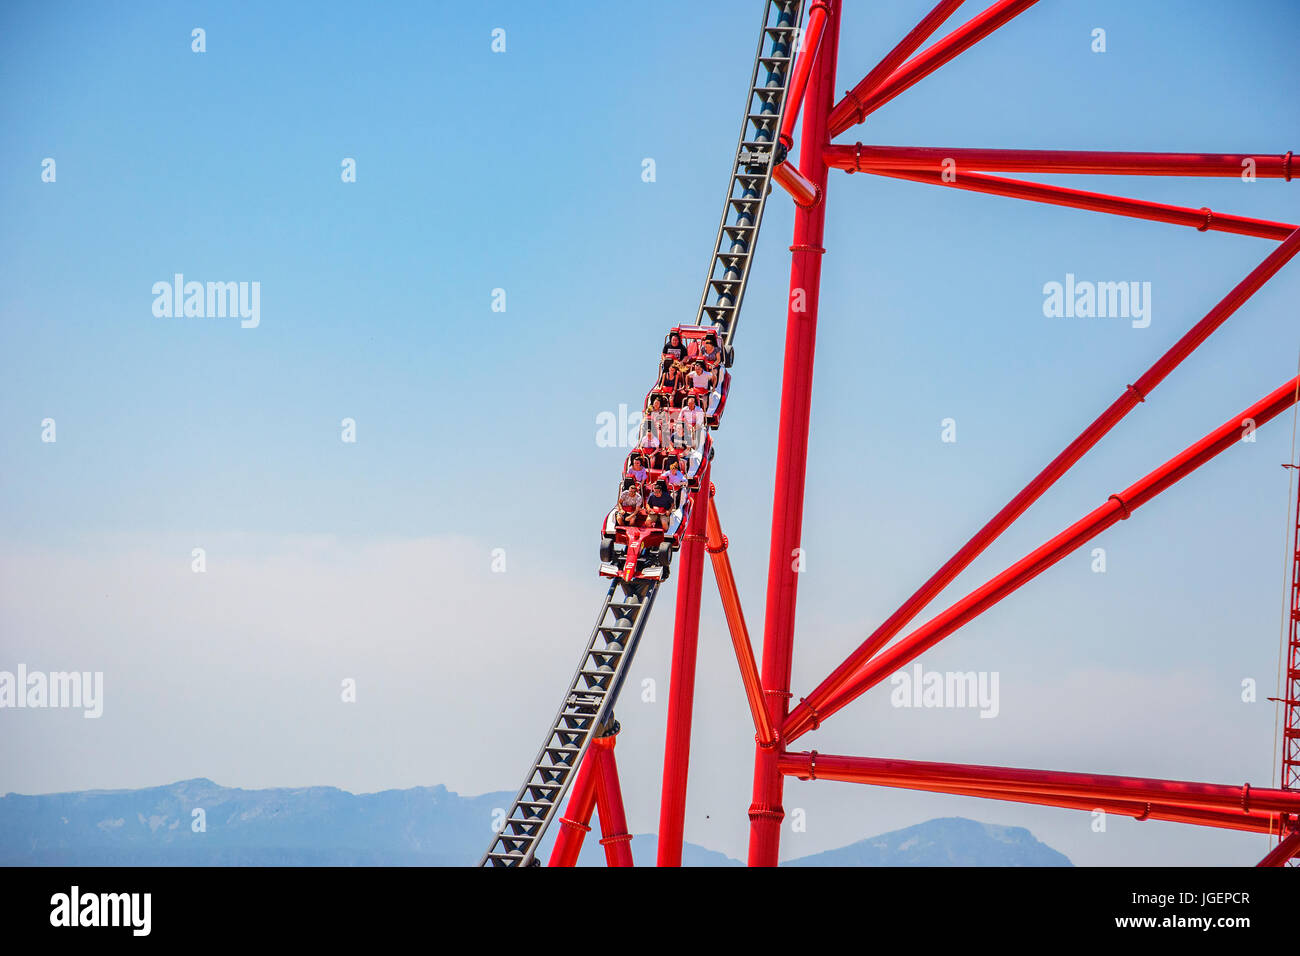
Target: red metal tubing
x,y
802,190
1117,508
806,714
717,548
1283,852
849,111
812,41
1169,813
935,56
859,158
681,693
1164,812
609,801
1201,219
765,811
1045,783
575,824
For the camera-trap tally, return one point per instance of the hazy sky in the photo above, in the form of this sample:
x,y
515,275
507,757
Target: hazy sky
x,y
476,429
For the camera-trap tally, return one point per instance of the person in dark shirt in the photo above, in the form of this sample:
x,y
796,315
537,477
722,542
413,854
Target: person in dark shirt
x,y
674,364
674,349
659,504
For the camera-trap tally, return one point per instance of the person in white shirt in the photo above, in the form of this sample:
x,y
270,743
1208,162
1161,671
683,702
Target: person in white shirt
x,y
675,476
700,379
660,420
692,420
649,439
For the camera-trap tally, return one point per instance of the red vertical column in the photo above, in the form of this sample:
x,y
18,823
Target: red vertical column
x,y
609,802
575,824
681,690
766,812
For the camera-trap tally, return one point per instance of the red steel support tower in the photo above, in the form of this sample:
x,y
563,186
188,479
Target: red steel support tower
x,y
1290,777
1232,807
762,154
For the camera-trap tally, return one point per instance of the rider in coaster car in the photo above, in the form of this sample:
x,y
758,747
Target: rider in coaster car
x,y
708,352
629,504
693,420
649,440
658,505
675,364
675,476
700,379
637,471
668,376
660,419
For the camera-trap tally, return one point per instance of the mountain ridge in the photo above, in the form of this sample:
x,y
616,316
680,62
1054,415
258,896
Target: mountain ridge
x,y
197,822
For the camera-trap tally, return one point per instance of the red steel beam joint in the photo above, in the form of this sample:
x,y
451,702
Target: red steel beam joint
x,y
802,190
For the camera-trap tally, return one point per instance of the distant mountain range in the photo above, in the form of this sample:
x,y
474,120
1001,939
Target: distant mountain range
x,y
423,826
948,841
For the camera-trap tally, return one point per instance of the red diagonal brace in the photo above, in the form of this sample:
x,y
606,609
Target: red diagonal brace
x,y
717,547
1201,219
1283,852
801,717
811,41
922,65
1117,508
849,110
801,189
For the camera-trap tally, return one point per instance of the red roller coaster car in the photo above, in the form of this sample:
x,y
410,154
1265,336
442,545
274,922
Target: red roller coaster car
x,y
641,531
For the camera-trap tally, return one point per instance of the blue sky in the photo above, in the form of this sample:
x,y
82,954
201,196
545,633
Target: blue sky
x,y
476,429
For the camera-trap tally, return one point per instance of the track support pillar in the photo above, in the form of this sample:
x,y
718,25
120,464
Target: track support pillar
x,y
681,692
784,561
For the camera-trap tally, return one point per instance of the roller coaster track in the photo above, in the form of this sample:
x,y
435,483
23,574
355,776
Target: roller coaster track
x,y
587,710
